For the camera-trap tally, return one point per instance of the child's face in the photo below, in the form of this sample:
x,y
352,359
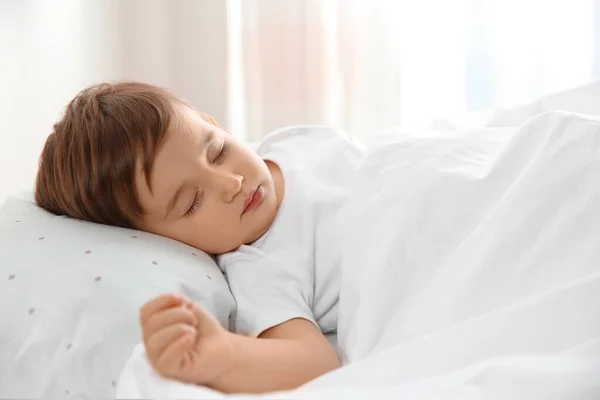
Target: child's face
x,y
201,182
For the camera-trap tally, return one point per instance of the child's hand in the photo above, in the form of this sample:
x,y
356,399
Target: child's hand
x,y
183,341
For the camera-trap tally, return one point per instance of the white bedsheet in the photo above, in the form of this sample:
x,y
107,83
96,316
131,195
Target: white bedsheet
x,y
471,270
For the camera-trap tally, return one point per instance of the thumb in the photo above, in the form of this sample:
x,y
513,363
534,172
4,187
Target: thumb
x,y
206,324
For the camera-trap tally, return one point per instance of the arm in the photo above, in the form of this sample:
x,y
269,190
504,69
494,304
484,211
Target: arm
x,y
283,357
184,342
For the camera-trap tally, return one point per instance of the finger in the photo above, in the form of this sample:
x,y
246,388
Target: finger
x,y
207,324
176,355
171,316
158,342
159,303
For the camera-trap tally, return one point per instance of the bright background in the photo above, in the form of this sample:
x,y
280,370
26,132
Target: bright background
x,y
256,65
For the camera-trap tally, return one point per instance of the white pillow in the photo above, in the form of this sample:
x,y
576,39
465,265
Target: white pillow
x,y
70,293
581,100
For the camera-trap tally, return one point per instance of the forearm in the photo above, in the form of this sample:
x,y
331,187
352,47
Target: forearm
x,y
263,365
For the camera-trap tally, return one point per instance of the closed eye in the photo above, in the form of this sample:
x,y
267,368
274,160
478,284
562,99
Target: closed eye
x,y
197,201
222,154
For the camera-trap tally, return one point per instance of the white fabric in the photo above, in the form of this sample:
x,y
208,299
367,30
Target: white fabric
x,y
582,100
477,222
471,270
366,65
292,271
70,293
561,377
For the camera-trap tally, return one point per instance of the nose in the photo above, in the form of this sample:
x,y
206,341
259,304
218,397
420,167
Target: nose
x,y
228,185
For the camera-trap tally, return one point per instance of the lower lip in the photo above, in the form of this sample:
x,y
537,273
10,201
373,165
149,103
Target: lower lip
x,y
257,198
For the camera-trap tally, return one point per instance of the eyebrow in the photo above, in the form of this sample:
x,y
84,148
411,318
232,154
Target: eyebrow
x,y
207,139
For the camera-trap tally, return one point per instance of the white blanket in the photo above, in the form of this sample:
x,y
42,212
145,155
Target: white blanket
x,y
471,269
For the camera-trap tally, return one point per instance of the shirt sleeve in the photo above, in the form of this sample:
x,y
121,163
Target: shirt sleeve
x,y
269,293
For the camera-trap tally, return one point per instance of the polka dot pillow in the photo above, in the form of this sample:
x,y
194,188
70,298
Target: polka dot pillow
x,y
70,293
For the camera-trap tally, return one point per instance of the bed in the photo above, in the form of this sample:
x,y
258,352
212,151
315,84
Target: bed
x,y
487,312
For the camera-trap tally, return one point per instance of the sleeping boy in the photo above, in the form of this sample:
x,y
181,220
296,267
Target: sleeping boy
x,y
134,155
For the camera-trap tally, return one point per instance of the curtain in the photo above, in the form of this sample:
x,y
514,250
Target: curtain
x,y
365,65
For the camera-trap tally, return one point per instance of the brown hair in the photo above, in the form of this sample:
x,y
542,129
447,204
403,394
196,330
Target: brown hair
x,y
88,165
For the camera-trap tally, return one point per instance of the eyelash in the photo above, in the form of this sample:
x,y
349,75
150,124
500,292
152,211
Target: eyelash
x,y
222,153
195,205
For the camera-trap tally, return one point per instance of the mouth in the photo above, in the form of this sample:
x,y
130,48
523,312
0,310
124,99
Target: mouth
x,y
253,200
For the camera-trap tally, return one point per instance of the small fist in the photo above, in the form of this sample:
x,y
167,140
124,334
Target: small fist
x,y
183,341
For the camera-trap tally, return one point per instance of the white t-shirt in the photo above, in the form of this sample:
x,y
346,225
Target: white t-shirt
x,y
292,271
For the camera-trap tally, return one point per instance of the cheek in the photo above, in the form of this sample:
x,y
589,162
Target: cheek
x,y
211,229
